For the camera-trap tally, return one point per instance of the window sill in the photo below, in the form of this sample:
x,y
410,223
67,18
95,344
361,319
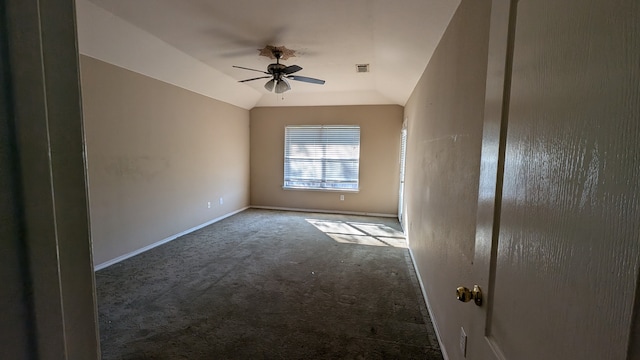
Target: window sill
x,y
322,190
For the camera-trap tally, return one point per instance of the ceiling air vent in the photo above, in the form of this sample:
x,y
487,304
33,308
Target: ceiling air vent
x,y
362,68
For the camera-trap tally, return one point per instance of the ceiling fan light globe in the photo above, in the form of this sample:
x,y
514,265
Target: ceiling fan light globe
x,y
269,85
282,86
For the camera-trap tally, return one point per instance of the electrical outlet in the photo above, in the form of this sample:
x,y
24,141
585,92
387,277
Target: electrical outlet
x,y
221,201
208,204
341,197
463,342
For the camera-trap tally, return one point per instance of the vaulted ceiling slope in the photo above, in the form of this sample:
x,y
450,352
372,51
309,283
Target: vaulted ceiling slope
x,y
194,44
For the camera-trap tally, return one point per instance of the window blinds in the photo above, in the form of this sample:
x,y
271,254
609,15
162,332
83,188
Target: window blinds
x,y
322,157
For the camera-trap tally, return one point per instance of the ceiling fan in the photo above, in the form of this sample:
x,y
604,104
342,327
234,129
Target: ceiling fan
x,y
279,73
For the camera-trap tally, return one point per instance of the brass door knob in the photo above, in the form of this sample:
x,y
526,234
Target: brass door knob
x,y
465,295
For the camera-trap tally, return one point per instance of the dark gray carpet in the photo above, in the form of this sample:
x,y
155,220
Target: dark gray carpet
x,y
269,285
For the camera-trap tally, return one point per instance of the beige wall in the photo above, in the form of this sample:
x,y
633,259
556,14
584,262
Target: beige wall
x,y
380,127
445,115
157,154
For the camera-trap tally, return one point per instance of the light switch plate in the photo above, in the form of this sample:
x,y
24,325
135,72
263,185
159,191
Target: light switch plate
x,y
463,342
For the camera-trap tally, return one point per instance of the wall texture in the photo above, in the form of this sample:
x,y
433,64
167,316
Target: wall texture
x,y
157,154
444,126
380,127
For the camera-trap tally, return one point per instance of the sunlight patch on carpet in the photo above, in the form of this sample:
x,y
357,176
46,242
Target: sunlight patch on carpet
x,y
348,232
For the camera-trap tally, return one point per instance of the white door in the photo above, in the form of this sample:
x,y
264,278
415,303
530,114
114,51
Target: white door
x,y
403,153
557,243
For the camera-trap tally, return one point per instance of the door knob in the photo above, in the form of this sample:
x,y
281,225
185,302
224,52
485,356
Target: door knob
x,y
465,295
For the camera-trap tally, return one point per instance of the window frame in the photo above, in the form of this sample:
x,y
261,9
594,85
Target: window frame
x,y
325,183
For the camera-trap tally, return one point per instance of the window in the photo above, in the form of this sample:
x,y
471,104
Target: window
x,y
321,157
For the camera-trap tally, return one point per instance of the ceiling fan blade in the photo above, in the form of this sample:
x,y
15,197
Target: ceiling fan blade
x,y
242,67
261,77
269,85
306,79
291,69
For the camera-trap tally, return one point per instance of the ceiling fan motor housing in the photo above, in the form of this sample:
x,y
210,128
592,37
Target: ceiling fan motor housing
x,y
276,69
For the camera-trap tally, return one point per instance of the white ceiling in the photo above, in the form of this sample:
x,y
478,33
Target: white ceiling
x,y
194,43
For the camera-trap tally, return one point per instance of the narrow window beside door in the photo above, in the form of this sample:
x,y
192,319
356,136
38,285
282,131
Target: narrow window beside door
x,y
322,157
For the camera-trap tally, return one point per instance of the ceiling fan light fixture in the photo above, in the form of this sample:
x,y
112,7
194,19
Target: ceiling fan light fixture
x,y
269,85
282,86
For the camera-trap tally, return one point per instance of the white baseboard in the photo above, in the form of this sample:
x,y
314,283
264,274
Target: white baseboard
x,y
164,241
324,211
426,300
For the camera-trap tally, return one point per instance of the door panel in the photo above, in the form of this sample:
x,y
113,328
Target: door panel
x,y
481,344
562,271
